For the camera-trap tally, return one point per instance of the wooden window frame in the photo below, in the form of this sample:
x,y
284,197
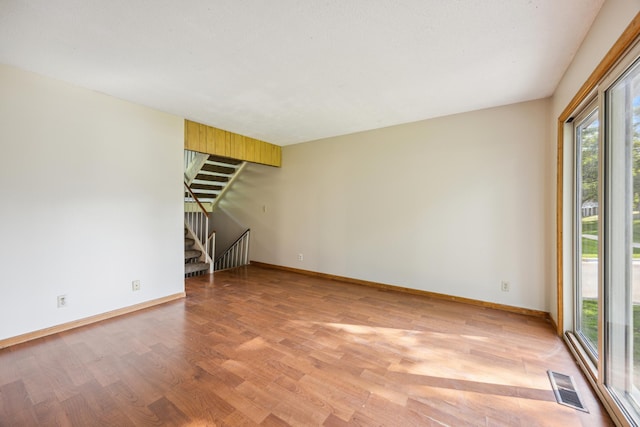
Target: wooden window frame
x,y
617,51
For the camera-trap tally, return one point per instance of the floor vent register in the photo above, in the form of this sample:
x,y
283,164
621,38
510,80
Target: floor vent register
x,y
565,390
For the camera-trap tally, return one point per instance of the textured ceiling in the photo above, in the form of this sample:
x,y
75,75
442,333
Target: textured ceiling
x,y
289,71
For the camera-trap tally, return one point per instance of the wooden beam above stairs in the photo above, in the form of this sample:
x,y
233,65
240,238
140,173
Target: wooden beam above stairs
x,y
210,140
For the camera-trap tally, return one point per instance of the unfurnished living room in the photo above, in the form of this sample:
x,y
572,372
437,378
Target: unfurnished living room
x,y
320,213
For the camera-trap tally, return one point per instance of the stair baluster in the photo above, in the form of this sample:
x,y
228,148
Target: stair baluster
x,y
237,254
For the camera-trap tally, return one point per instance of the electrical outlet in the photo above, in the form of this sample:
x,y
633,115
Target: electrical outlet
x,y
135,285
62,301
300,257
504,286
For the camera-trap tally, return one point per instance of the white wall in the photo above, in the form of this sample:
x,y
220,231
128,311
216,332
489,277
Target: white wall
x,y
90,199
227,229
451,205
612,20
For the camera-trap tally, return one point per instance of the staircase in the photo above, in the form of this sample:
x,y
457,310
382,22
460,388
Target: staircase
x,y
206,179
209,176
193,266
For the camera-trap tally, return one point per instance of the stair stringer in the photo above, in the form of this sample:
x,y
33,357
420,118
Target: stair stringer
x,y
228,185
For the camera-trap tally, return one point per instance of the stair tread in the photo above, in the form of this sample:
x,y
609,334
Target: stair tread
x,y
211,178
198,186
218,169
193,267
191,253
226,160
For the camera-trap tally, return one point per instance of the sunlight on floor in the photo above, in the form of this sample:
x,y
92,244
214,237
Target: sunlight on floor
x,y
424,359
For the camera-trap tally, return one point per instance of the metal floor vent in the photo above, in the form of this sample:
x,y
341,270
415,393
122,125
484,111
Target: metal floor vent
x,y
565,390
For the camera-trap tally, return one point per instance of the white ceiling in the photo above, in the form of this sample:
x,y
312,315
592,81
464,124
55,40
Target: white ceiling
x,y
288,71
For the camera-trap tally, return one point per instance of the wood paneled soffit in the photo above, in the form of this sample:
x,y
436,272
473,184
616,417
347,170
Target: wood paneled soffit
x,y
210,140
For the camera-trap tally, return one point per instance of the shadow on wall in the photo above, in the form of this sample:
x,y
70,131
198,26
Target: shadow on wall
x,y
227,229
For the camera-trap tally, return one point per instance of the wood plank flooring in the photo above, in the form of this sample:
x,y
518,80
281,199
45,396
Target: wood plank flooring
x,y
254,346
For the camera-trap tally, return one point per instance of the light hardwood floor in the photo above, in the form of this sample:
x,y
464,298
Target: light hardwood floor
x,y
254,346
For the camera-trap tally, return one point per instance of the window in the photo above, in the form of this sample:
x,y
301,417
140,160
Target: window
x,y
587,220
622,241
605,133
